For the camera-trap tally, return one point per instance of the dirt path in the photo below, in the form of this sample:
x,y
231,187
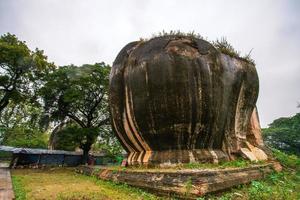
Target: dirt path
x,y
6,189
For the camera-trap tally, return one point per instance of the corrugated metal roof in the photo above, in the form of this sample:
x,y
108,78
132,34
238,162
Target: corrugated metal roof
x,y
37,151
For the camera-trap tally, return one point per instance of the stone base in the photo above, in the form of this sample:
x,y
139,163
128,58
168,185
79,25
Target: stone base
x,y
188,184
174,157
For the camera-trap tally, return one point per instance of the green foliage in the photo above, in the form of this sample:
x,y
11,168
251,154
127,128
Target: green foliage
x,y
33,93
276,186
21,70
239,163
25,137
283,185
284,134
108,142
80,95
75,136
289,161
5,156
20,193
22,74
259,190
19,126
236,163
24,114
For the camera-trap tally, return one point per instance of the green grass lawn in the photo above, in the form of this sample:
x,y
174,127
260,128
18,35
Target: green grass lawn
x,y
65,184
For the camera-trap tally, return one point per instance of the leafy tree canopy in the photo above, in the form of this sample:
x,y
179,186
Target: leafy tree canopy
x,y
74,136
78,94
284,134
25,137
21,70
33,93
71,136
22,74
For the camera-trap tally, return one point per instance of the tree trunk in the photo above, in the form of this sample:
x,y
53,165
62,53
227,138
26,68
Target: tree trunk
x,y
4,102
85,155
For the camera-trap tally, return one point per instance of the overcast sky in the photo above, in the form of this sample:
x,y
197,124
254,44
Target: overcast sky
x,y
78,32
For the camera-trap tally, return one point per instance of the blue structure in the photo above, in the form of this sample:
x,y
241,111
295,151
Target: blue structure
x,y
28,156
41,157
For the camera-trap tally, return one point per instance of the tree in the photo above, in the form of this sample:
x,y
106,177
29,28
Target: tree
x,y
284,134
79,94
69,136
108,142
24,113
22,74
21,71
22,136
73,136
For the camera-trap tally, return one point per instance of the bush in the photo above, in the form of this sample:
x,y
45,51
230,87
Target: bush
x,y
276,186
290,161
25,137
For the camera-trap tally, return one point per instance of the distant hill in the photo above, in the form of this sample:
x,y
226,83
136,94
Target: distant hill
x,y
284,134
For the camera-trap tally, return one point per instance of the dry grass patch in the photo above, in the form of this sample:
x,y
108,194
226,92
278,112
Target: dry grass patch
x,y
63,184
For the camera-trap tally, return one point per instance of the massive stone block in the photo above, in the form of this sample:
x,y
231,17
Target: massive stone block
x,y
178,99
185,183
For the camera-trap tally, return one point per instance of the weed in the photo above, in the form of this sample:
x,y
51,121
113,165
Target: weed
x,y
18,187
220,44
259,191
289,161
225,47
178,34
188,186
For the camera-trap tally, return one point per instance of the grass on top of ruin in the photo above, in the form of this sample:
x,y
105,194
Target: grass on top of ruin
x,y
239,163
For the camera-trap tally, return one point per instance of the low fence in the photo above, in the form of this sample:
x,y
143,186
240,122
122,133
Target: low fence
x,y
28,157
46,159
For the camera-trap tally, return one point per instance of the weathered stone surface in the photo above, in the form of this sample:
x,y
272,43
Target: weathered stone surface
x,y
246,153
254,133
257,152
177,100
188,184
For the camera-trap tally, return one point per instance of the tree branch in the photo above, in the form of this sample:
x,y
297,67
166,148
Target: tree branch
x,y
76,119
104,122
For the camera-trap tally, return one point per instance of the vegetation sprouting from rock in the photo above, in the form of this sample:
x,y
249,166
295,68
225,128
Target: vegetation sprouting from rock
x,y
220,44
